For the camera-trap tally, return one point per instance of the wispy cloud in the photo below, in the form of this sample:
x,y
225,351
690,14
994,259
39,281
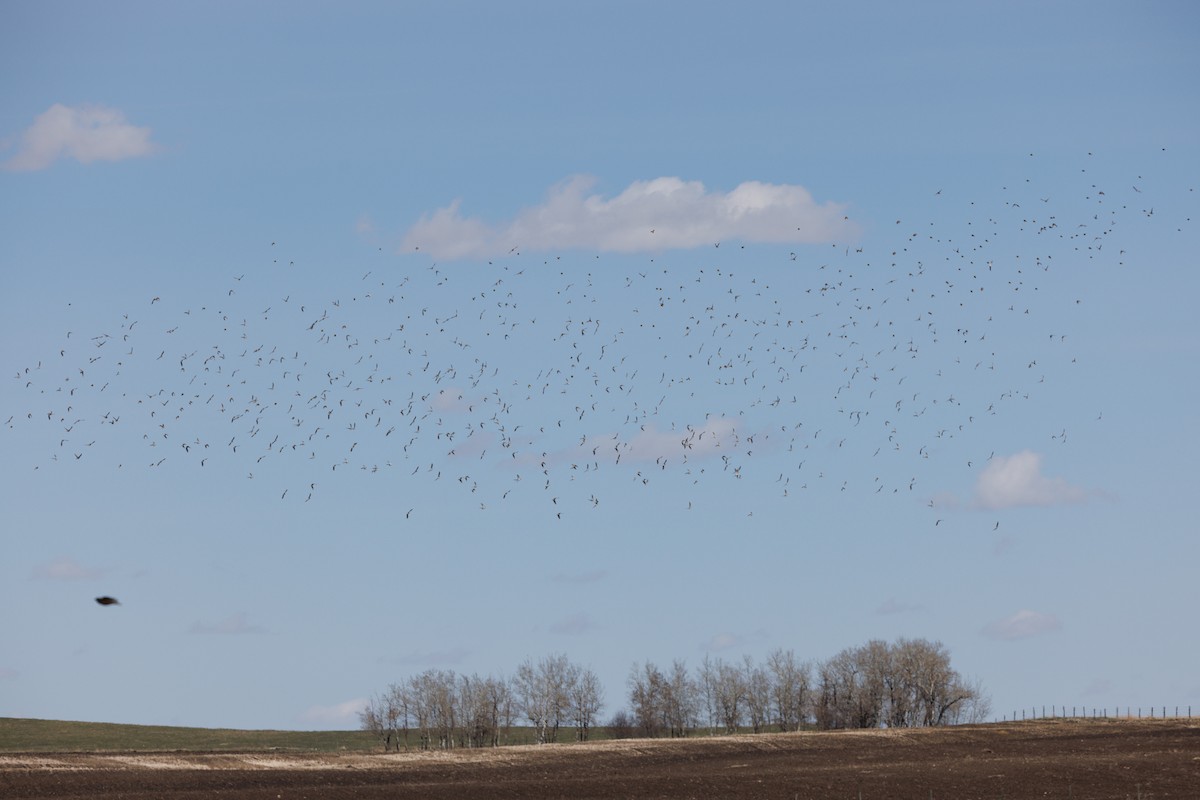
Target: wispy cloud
x,y
233,624
66,569
654,215
574,624
337,715
85,133
1017,480
1022,625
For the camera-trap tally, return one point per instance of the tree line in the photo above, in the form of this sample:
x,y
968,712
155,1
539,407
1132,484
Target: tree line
x,y
906,683
438,708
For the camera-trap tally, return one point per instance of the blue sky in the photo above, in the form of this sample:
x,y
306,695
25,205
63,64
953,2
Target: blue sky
x,y
341,341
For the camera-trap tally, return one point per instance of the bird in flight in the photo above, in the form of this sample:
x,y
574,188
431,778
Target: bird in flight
x,y
108,601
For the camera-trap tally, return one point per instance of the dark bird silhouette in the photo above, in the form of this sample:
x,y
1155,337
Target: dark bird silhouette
x,y
108,601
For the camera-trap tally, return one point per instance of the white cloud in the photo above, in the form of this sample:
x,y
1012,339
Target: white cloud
x,y
84,133
338,715
1022,625
659,214
1017,480
66,569
233,624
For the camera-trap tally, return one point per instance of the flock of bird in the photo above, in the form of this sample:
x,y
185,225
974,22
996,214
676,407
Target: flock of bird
x,y
848,366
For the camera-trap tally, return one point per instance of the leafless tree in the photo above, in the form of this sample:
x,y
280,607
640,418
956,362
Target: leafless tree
x,y
621,725
758,695
586,697
790,689
706,686
730,695
647,690
501,708
906,684
542,692
373,719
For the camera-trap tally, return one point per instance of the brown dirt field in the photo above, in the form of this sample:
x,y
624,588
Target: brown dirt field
x,y
1088,760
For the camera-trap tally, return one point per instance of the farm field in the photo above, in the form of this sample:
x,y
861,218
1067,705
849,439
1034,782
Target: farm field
x,y
1083,759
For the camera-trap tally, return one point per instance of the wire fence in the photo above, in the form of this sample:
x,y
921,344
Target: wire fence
x,y
1089,712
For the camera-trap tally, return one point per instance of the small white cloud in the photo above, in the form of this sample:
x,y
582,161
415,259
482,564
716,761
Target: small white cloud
x,y
84,133
1017,480
1022,625
573,624
648,216
66,569
233,624
338,715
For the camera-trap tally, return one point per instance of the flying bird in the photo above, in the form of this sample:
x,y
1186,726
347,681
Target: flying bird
x,y
108,601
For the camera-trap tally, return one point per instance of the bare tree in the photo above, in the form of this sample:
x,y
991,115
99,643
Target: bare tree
x,y
374,719
837,687
501,708
730,695
707,689
758,695
621,725
542,692
790,688
647,689
874,664
476,717
680,703
906,684
935,689
586,698
975,709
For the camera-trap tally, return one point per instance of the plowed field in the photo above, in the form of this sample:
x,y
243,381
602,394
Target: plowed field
x,y
1087,760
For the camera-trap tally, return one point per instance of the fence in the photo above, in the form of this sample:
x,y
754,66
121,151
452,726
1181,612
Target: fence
x,y
1083,712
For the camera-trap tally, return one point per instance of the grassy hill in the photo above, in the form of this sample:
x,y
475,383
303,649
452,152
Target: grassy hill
x,y
42,735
